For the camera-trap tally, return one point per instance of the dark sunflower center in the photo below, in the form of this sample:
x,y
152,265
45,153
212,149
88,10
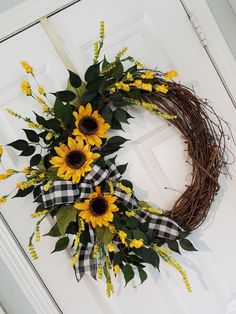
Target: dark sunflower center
x,y
98,206
75,159
88,125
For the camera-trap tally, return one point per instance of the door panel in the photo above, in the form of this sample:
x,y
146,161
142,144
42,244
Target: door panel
x,y
158,33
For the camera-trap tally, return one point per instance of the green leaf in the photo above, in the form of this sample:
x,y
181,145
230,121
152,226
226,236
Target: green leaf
x,y
96,86
107,114
128,273
187,245
115,124
31,135
118,70
173,245
54,232
65,215
28,151
35,160
74,79
105,63
122,168
65,95
148,256
61,244
19,144
104,235
23,193
142,274
127,183
117,260
117,140
78,91
133,223
88,96
122,115
40,119
92,72
183,234
58,108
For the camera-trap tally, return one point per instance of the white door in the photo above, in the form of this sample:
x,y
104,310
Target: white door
x,y
159,34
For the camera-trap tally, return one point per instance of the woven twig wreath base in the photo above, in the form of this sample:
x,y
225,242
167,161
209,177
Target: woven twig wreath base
x,y
203,132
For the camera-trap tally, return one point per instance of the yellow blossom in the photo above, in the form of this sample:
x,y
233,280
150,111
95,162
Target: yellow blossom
x,y
9,172
37,235
116,269
47,186
171,261
45,108
1,151
112,228
95,51
124,188
121,53
123,236
33,125
40,100
32,251
130,213
74,259
102,30
169,75
27,67
147,87
33,173
25,87
42,175
41,90
3,199
112,90
100,273
95,250
148,75
76,240
139,64
136,243
137,83
38,214
48,136
26,170
27,184
122,86
13,113
111,247
161,88
3,176
129,76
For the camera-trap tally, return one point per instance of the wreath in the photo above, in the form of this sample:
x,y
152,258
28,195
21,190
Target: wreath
x,y
74,178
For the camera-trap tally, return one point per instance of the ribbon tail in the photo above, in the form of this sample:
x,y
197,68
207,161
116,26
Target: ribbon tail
x,y
159,226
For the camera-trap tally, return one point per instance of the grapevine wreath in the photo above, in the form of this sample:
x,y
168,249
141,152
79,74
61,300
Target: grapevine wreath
x,y
74,178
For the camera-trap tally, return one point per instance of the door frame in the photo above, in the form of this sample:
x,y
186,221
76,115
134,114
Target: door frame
x,y
29,13
24,271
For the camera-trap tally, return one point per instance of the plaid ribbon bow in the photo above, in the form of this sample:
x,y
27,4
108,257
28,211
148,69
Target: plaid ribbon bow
x,y
64,192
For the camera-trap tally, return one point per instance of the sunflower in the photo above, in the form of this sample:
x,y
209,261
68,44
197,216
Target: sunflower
x,y
90,126
98,209
73,160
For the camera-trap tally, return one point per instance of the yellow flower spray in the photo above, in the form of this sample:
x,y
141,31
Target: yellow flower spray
x,y
165,255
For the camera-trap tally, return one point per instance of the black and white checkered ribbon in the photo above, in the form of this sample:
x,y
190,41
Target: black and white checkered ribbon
x,y
86,262
64,192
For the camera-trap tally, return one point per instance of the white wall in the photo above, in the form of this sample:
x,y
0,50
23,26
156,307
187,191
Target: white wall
x,y
226,20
